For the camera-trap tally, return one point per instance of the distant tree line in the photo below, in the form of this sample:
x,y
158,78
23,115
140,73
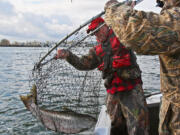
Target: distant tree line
x,y
6,42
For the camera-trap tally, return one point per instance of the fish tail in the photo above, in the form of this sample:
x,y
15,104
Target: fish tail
x,y
34,93
30,98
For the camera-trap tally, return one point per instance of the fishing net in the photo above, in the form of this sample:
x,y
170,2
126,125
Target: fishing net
x,y
61,86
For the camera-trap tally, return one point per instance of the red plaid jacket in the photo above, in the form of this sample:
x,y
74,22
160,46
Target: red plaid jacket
x,y
120,58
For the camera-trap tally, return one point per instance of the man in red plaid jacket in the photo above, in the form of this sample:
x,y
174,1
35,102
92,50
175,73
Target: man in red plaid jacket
x,y
126,104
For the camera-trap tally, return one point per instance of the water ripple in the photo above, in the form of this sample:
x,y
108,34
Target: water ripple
x,y
16,64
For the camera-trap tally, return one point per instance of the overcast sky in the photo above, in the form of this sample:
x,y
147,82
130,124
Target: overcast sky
x,y
42,20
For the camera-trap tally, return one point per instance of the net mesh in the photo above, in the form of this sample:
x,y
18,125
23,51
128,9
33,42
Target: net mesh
x,y
61,86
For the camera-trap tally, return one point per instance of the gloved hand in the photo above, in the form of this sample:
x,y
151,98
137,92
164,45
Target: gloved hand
x,y
110,3
115,2
61,54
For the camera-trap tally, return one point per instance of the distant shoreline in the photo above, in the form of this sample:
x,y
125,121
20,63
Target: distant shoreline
x,y
21,46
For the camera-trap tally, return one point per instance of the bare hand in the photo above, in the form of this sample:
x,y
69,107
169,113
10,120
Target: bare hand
x,y
131,3
61,54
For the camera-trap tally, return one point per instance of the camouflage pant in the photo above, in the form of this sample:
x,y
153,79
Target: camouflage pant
x,y
128,112
169,118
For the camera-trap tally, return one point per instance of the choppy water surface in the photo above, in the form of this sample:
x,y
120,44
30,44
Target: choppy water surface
x,y
15,67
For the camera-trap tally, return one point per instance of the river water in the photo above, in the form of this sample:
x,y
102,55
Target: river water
x,y
15,67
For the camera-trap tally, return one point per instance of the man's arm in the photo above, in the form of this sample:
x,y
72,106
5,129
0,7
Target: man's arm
x,y
145,32
86,62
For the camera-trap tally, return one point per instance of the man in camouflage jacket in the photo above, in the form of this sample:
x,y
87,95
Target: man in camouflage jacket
x,y
154,34
126,104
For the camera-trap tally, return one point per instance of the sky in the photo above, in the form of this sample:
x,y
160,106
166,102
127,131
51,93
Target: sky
x,y
50,20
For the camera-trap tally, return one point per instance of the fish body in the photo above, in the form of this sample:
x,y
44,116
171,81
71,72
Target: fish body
x,y
65,121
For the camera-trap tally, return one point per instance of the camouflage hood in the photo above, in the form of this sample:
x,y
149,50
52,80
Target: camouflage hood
x,y
171,3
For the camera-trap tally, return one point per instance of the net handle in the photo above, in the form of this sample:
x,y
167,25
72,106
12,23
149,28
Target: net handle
x,y
69,35
76,30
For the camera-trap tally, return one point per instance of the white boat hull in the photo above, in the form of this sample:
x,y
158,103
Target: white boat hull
x,y
103,125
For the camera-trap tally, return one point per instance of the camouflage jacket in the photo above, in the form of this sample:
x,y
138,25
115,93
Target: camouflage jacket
x,y
152,34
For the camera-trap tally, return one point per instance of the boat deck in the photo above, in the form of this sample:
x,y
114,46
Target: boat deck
x,y
103,125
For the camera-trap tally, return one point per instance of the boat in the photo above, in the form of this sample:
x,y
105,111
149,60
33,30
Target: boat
x,y
103,125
